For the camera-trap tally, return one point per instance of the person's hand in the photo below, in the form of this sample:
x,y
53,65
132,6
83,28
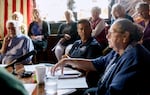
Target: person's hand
x,y
62,40
65,56
40,37
7,39
33,37
58,66
67,37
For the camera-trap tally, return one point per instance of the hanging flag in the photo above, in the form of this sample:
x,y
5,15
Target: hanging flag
x,y
7,7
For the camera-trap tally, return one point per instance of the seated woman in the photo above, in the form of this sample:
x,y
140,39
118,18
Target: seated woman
x,y
125,68
143,10
38,31
67,33
118,11
98,26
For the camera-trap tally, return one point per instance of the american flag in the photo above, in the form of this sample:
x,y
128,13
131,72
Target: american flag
x,y
7,7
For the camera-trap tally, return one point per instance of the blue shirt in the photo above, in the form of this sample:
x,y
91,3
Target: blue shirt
x,y
17,47
130,74
90,49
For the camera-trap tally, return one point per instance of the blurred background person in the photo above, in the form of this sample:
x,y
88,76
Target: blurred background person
x,y
142,8
98,26
118,11
67,33
19,17
38,31
15,44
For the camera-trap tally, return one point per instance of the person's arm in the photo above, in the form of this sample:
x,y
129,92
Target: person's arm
x,y
84,64
30,29
5,44
10,85
98,29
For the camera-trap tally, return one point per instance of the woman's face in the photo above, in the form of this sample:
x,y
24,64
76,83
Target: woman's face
x,y
67,16
35,14
144,13
115,39
15,17
95,14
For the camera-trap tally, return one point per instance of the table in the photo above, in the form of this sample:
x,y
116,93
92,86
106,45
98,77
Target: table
x,y
64,85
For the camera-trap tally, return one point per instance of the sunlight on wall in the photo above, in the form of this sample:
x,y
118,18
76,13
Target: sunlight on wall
x,y
53,10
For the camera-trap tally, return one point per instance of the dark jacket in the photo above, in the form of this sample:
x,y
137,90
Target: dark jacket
x,y
129,76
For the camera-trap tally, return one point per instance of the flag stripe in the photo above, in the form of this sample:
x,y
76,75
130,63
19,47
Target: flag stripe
x,y
14,5
5,15
21,6
7,7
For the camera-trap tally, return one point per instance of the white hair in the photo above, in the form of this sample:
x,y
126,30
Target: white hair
x,y
16,24
19,15
96,9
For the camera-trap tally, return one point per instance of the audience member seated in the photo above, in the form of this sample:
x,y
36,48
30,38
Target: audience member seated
x,y
19,17
126,67
38,32
98,26
67,33
10,85
118,11
142,9
15,44
87,47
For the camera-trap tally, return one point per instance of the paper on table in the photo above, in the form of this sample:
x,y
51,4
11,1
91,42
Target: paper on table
x,y
67,73
65,91
32,67
78,82
30,88
72,83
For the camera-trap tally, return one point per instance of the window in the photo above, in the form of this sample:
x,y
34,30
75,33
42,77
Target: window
x,y
53,10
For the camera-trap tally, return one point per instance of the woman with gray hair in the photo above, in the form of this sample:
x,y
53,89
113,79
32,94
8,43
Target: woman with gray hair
x,y
98,26
125,69
19,17
118,11
67,35
143,9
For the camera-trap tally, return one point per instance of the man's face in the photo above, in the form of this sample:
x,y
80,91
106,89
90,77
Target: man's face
x,y
11,30
84,31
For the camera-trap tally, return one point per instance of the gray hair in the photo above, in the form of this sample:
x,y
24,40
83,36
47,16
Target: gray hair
x,y
119,9
19,15
125,25
16,24
142,5
97,9
71,14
